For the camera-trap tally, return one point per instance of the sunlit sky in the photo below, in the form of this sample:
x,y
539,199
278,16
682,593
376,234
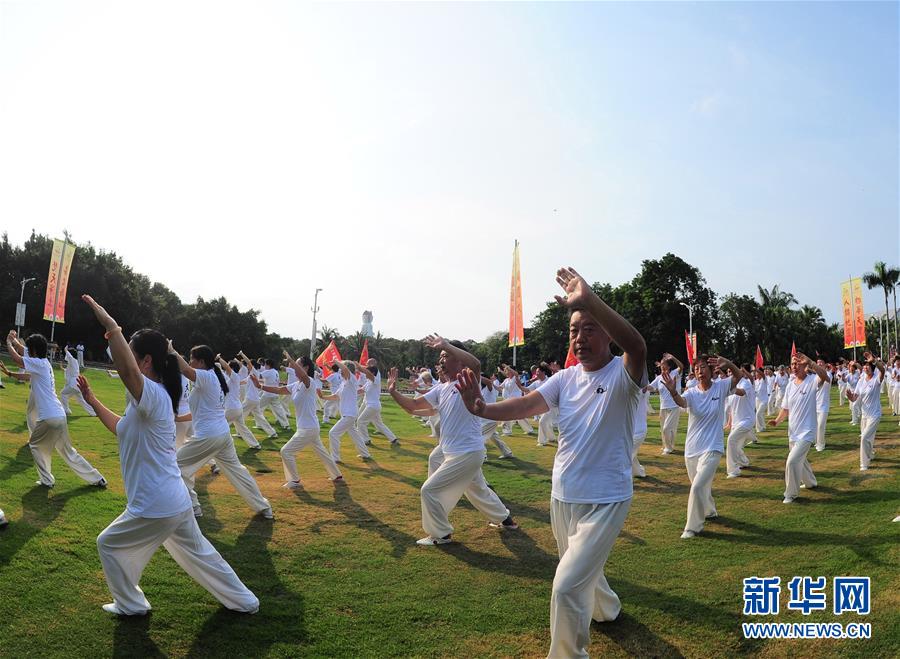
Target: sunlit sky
x,y
391,153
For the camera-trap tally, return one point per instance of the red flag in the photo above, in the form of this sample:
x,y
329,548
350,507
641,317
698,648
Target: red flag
x,y
793,349
759,357
571,360
328,357
690,348
364,355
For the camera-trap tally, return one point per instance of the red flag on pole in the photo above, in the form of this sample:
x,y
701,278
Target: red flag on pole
x,y
364,355
759,357
690,348
571,359
328,356
793,349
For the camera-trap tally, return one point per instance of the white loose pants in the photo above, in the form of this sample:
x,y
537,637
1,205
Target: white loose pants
x,y
489,434
50,434
637,469
545,427
272,402
302,438
128,544
735,458
668,426
701,470
854,411
73,392
235,415
196,452
760,416
329,409
867,427
585,534
523,424
821,421
251,408
346,424
448,480
373,415
797,470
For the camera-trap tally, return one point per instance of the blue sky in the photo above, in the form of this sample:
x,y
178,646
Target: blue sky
x,y
391,153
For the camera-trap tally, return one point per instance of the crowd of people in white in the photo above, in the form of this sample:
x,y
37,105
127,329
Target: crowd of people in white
x,y
180,409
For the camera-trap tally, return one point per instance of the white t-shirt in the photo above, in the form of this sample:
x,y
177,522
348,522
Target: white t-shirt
x,y
852,379
183,406
72,370
869,392
347,393
823,396
743,410
251,392
781,380
373,392
691,382
596,430
43,388
460,429
489,395
146,436
800,402
706,418
511,389
665,398
770,384
335,382
207,404
640,416
291,376
761,389
304,399
269,377
233,397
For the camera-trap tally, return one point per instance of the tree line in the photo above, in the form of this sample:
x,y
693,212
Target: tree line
x,y
732,324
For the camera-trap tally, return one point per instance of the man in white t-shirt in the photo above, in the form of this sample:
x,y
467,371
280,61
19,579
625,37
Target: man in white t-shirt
x,y
761,399
372,411
781,382
669,411
867,395
799,406
489,390
70,390
270,378
743,417
823,404
703,447
512,388
592,482
80,350
454,466
335,382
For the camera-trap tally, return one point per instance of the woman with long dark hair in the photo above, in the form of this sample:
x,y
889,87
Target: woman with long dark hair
x,y
158,511
212,437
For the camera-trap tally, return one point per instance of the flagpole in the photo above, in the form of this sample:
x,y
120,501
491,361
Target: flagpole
x,y
515,286
853,316
62,259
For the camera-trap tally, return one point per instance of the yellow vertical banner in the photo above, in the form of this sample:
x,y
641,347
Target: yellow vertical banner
x,y
516,332
847,311
852,309
58,280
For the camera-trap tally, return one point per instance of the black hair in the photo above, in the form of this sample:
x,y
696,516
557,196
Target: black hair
x,y
150,342
372,369
458,344
37,346
671,364
747,367
335,368
307,363
206,355
270,363
234,365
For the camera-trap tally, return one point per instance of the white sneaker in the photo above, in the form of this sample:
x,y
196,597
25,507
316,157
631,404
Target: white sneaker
x,y
864,469
113,608
3,520
198,511
292,485
733,476
788,500
430,542
687,535
49,487
267,513
504,456
897,518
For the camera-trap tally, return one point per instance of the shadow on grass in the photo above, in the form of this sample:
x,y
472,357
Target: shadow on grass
x,y
282,612
131,638
250,459
530,560
20,463
359,517
636,639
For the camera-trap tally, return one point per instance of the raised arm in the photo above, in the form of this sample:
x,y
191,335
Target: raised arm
x,y
186,369
669,383
467,359
107,417
675,359
723,363
580,296
16,350
413,406
123,358
299,371
225,366
814,367
362,369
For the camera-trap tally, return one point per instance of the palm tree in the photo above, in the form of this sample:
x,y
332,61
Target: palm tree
x,y
775,321
887,278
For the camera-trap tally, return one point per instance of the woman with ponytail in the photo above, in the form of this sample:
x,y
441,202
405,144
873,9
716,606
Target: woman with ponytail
x,y
212,437
234,411
158,511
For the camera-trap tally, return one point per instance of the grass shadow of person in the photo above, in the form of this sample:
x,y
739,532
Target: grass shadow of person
x,y
282,612
635,638
131,638
19,464
530,560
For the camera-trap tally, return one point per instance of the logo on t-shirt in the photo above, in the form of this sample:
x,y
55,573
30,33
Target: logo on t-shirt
x,y
600,390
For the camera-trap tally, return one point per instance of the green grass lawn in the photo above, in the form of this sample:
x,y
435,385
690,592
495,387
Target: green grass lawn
x,y
338,573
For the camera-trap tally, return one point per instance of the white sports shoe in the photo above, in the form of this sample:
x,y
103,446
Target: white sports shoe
x,y
430,542
292,485
687,535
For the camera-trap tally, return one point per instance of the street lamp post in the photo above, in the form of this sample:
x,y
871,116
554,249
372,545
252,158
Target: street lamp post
x,y
312,342
21,298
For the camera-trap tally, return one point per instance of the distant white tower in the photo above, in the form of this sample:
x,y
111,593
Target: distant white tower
x,y
367,324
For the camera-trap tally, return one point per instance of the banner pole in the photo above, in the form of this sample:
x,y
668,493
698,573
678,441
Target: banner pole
x,y
853,316
62,259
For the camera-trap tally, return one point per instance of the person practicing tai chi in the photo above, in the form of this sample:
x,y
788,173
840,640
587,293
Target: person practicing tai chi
x,y
703,446
799,406
489,432
669,411
743,424
512,388
346,394
251,400
212,437
303,393
867,395
823,405
269,376
761,399
454,466
158,509
71,388
592,482
234,411
48,425
371,412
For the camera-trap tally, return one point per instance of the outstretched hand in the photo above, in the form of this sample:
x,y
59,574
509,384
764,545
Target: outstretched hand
x,y
102,315
468,384
85,388
392,379
668,382
576,287
435,341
